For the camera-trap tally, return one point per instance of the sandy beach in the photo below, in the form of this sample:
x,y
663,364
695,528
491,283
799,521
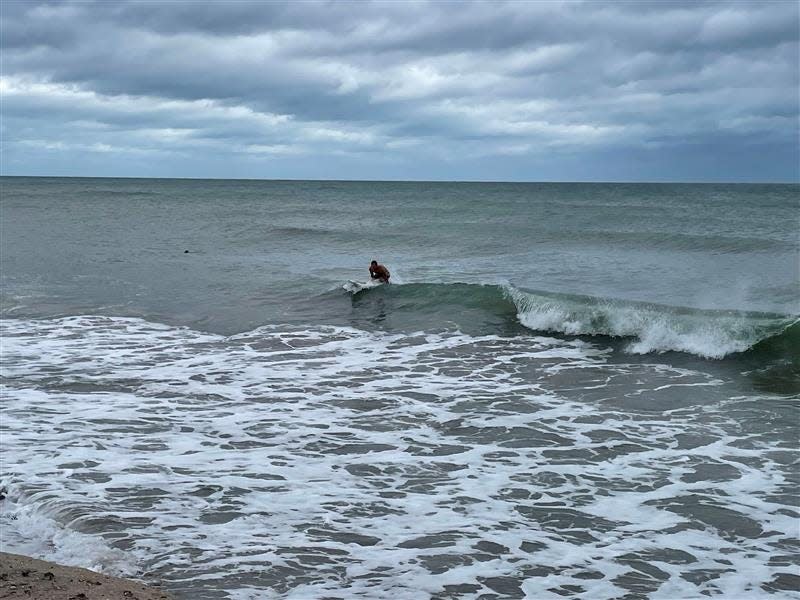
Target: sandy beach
x,y
31,579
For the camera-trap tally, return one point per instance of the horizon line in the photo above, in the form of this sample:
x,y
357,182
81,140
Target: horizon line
x,y
290,179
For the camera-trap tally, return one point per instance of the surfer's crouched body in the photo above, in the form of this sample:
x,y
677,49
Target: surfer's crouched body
x,y
377,271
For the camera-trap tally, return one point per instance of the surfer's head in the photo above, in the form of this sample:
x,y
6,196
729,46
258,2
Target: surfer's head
x,y
374,263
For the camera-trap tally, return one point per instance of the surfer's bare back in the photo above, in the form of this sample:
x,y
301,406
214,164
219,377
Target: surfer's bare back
x,y
377,271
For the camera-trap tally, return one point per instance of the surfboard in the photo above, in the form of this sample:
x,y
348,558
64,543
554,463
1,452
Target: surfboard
x,y
359,286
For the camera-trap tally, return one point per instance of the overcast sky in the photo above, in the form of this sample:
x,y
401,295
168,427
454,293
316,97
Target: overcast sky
x,y
530,91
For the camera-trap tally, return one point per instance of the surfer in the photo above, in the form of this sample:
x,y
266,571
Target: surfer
x,y
377,271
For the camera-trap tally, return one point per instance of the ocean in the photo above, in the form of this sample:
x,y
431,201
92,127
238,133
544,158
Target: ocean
x,y
567,390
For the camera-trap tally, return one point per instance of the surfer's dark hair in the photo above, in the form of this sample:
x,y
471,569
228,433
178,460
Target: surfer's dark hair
x,y
374,262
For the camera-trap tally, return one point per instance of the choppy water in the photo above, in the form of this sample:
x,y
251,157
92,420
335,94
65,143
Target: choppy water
x,y
570,390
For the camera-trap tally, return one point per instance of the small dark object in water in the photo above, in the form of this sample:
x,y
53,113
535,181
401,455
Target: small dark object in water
x,y
186,252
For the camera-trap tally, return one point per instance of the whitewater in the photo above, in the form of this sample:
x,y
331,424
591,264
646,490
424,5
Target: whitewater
x,y
569,390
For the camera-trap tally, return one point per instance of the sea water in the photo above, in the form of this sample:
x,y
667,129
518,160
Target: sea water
x,y
568,390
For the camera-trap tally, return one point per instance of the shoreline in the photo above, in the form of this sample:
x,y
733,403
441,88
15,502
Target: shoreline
x,y
34,579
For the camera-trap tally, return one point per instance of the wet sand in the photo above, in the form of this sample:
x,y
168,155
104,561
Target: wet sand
x,y
31,579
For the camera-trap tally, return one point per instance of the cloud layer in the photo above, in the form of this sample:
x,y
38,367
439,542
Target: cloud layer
x,y
418,90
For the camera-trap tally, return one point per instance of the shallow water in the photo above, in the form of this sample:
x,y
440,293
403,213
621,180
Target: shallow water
x,y
569,393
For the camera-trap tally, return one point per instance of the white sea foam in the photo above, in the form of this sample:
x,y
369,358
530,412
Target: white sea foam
x,y
331,461
27,529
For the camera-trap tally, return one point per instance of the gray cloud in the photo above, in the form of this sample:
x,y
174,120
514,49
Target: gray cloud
x,y
398,84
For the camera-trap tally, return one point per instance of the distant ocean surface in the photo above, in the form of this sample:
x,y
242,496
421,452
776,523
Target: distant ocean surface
x,y
568,390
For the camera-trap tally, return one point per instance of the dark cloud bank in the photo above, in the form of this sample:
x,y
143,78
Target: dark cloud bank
x,y
687,91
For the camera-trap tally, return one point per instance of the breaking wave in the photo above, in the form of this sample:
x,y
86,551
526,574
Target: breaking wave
x,y
650,327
